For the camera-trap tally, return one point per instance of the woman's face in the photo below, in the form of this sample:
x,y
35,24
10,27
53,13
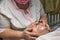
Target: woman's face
x,y
23,2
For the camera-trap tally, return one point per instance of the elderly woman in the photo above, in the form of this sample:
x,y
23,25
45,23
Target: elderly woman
x,y
21,19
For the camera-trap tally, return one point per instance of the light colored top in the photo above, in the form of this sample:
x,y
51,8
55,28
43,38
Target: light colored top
x,y
17,17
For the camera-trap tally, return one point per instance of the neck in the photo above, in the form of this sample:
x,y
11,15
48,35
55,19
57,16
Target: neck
x,y
24,7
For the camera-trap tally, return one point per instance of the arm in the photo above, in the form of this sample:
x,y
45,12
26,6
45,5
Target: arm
x,y
9,33
5,31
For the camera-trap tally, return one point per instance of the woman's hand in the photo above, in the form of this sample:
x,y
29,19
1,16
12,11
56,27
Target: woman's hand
x,y
29,35
40,28
36,29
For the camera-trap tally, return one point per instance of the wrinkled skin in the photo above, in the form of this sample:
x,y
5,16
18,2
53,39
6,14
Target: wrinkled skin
x,y
40,28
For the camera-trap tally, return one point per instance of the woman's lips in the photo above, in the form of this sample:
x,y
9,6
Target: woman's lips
x,y
22,1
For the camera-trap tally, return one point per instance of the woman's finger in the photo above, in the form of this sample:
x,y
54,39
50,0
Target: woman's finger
x,y
28,29
31,33
32,38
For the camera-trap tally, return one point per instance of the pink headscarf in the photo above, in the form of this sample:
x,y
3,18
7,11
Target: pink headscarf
x,y
22,1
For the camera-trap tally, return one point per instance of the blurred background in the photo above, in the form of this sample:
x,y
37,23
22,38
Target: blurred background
x,y
52,9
